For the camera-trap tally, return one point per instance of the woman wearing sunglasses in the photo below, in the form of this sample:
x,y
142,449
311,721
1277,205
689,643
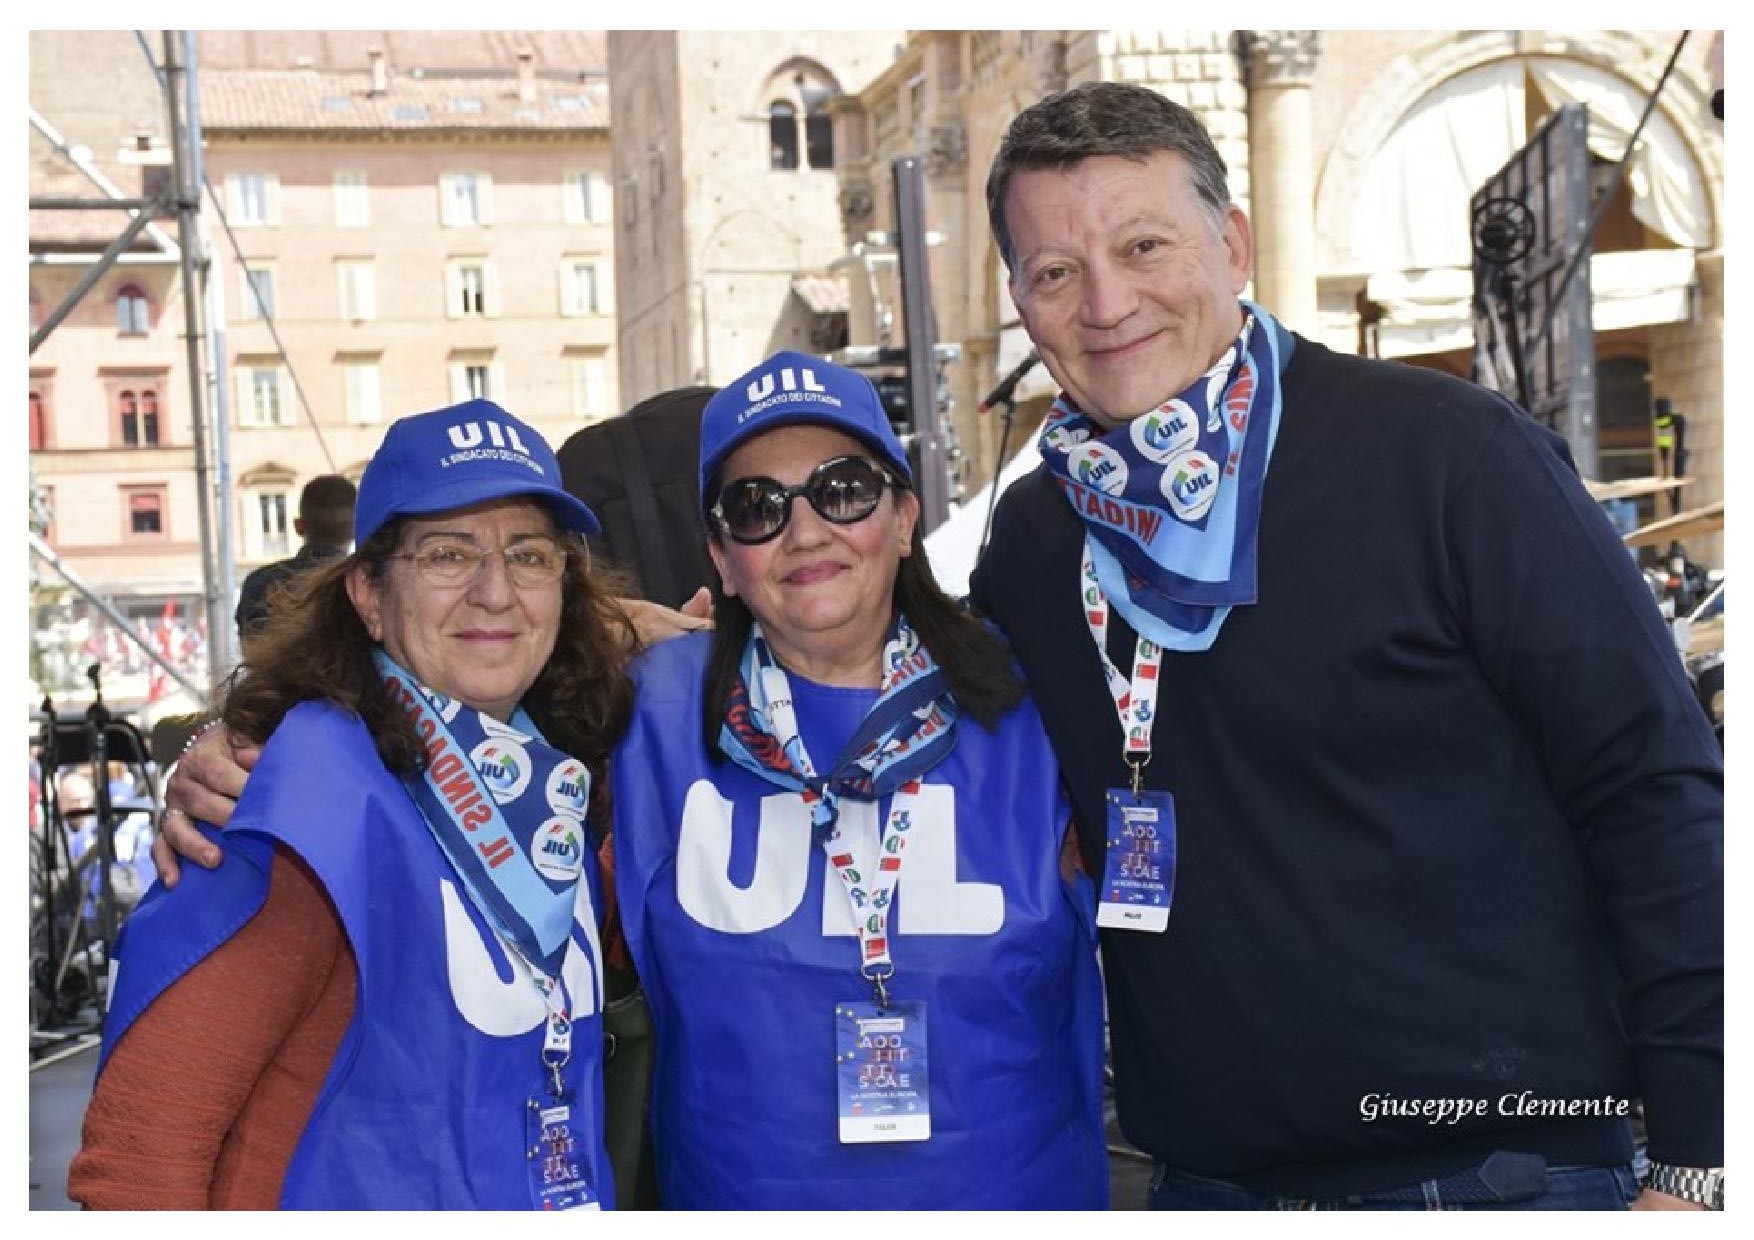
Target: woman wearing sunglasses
x,y
839,834
841,854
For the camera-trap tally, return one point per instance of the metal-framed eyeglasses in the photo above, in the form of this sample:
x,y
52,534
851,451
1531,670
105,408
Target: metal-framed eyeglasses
x,y
452,562
843,491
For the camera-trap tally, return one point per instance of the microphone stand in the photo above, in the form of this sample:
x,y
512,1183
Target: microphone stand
x,y
1001,395
97,719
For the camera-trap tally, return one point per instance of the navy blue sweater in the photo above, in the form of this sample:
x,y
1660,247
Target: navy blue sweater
x,y
1450,821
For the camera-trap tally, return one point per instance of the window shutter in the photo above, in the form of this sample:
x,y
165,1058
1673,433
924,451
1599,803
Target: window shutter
x,y
605,288
601,200
365,290
569,290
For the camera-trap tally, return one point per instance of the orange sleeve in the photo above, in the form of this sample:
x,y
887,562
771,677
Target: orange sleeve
x,y
203,1100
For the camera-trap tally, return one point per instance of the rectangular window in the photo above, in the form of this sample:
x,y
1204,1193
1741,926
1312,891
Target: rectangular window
x,y
143,514
261,394
271,524
353,208
584,287
587,198
133,312
590,386
471,289
360,389
258,295
465,199
255,199
357,283
476,376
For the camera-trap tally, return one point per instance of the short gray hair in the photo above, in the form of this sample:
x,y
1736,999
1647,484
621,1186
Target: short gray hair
x,y
1103,118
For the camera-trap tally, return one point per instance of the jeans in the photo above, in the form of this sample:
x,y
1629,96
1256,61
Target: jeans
x,y
1563,1188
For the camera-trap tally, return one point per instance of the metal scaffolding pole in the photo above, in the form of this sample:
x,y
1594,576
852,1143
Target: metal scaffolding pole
x,y
221,644
185,164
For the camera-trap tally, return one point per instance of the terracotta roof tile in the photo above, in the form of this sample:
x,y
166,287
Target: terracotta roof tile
x,y
259,100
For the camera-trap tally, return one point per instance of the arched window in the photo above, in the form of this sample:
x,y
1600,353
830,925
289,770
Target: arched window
x,y
138,412
800,131
782,137
818,125
38,422
133,311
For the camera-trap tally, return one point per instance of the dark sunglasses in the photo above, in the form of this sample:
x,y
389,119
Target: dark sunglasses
x,y
843,491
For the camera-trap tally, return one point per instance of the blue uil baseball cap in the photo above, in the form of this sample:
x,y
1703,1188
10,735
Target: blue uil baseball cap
x,y
786,390
456,457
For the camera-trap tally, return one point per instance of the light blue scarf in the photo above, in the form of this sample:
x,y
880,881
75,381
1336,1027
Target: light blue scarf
x,y
507,809
910,728
1171,500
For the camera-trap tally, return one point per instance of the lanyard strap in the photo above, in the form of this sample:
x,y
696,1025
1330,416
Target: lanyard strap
x,y
871,895
1136,699
557,1030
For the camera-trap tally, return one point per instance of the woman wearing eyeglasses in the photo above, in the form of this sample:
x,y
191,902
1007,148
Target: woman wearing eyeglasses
x,y
388,994
838,841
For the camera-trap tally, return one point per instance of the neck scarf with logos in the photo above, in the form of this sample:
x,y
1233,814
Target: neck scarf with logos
x,y
908,730
506,808
1171,500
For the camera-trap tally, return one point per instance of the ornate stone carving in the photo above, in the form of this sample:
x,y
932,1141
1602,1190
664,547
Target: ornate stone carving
x,y
856,208
947,151
1280,57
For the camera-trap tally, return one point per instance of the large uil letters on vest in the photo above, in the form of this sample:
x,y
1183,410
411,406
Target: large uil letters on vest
x,y
508,1008
930,900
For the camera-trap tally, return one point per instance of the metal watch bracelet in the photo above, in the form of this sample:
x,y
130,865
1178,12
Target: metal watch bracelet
x,y
1701,1185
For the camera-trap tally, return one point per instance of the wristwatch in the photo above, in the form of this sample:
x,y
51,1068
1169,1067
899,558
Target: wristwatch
x,y
1701,1185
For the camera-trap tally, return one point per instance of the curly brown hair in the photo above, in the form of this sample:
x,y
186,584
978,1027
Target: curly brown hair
x,y
315,647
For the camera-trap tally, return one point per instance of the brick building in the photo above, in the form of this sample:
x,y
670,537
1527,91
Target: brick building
x,y
398,220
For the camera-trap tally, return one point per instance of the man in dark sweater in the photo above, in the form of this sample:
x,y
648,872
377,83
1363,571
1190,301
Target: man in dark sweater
x,y
325,522
1432,888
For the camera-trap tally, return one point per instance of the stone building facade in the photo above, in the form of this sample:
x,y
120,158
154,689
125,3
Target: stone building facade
x,y
727,192
1306,121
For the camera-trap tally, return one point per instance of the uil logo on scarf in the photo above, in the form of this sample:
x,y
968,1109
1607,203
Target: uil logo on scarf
x,y
568,789
1190,483
1165,432
1172,523
557,851
504,767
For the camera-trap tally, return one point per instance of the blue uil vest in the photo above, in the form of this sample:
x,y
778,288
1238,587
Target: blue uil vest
x,y
424,1105
745,951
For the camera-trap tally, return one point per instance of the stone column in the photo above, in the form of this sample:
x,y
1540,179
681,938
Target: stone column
x,y
1280,64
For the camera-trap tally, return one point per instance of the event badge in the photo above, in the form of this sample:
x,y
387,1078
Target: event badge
x,y
554,1157
1138,873
880,1070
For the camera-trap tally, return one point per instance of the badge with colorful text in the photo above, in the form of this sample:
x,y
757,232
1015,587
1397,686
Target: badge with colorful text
x,y
880,1072
1138,874
555,1157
